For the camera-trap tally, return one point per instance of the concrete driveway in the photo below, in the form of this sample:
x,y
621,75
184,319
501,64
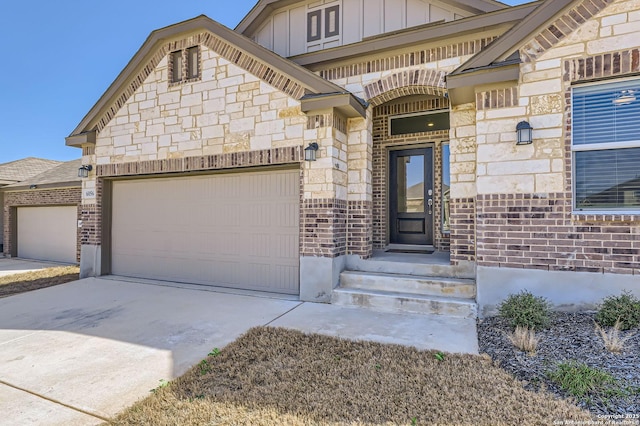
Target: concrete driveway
x,y
10,266
80,352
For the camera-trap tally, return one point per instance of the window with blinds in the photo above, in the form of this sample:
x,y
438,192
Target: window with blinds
x,y
606,146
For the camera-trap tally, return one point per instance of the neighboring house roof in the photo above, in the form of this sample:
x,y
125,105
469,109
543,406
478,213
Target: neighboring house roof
x,y
313,84
63,174
263,9
19,170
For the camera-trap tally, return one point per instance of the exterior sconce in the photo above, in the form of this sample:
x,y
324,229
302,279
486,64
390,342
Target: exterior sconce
x,y
525,133
83,171
310,152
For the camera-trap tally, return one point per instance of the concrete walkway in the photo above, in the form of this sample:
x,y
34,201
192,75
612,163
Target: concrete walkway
x,y
10,266
80,352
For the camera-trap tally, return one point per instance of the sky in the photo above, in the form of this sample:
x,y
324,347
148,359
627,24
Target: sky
x,y
63,55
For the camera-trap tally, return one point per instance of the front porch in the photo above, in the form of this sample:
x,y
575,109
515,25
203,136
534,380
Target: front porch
x,y
408,282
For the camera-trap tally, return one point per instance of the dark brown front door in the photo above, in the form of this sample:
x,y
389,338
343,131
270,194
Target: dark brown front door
x,y
411,196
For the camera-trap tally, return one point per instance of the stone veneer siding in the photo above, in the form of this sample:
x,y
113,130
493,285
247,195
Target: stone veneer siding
x,y
36,198
382,141
539,230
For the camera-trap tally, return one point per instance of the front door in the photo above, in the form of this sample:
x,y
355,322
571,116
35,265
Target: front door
x,y
411,196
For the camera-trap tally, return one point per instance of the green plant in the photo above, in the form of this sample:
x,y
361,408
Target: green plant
x,y
583,381
439,356
526,310
204,367
163,384
625,307
214,352
524,339
611,339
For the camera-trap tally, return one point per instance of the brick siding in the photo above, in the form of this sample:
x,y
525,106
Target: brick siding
x,y
34,198
381,142
562,26
323,227
404,60
360,228
538,231
463,230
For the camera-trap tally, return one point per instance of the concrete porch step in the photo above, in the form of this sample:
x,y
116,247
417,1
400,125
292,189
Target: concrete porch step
x,y
410,265
387,301
411,284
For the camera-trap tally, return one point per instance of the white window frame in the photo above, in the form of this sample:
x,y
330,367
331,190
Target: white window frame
x,y
604,146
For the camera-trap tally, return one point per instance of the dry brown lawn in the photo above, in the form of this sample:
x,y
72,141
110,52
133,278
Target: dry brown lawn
x,y
273,376
27,281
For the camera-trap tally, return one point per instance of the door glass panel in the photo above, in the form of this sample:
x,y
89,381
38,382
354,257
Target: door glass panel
x,y
410,187
446,185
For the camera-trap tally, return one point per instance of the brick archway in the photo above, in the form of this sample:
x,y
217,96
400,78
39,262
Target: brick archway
x,y
414,82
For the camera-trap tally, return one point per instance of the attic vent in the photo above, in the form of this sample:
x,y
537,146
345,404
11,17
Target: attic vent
x,y
184,65
323,22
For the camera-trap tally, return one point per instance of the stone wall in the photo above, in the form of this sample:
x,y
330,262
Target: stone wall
x,y
524,193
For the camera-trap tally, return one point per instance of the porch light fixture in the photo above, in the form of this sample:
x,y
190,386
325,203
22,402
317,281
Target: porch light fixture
x,y
310,152
525,133
83,171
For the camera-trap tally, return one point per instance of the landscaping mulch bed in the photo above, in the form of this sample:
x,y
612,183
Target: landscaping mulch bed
x,y
572,336
273,376
27,281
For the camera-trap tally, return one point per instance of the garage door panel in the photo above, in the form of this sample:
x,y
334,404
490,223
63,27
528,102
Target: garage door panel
x,y
48,233
235,230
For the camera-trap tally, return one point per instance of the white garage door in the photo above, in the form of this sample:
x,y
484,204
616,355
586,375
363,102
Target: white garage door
x,y
48,233
231,230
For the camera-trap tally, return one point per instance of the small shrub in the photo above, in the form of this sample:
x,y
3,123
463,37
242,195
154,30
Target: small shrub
x,y
584,382
612,340
625,307
524,339
526,310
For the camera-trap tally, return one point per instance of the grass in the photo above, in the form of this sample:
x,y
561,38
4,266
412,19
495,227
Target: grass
x,y
583,381
273,376
27,281
612,339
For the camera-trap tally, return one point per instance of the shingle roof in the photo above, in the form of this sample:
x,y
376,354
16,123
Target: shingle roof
x,y
65,173
19,170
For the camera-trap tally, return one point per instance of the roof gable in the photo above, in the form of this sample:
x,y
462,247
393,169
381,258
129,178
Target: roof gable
x,y
263,9
285,75
551,22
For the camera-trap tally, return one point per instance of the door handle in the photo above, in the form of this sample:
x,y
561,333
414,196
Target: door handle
x,y
430,204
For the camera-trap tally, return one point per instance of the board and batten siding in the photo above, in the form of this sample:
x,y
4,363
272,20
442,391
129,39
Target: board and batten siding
x,y
285,32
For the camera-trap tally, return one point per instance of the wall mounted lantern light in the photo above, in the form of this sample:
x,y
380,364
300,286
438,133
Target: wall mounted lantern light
x,y
310,152
524,132
83,171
